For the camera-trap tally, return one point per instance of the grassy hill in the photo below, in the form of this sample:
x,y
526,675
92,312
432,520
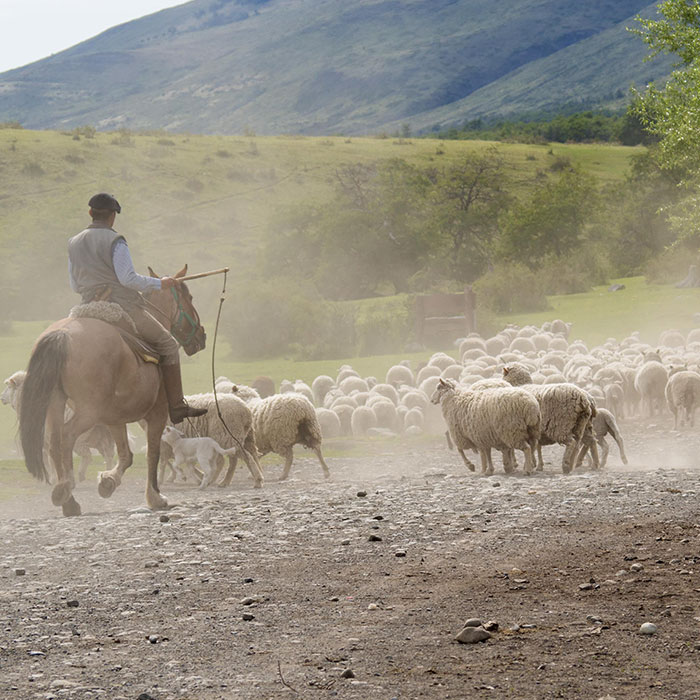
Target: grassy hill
x,y
204,200
325,67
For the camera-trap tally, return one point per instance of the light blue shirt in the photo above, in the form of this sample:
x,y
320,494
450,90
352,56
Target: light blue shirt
x,y
124,270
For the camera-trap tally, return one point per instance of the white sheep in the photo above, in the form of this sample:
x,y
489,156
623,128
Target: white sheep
x,y
363,419
398,375
650,381
233,429
320,386
683,396
329,422
566,416
604,424
282,421
97,438
502,418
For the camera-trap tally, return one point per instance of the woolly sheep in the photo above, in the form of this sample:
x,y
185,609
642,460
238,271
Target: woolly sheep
x,y
496,345
523,345
387,391
300,387
320,386
282,421
413,418
360,397
265,386
452,372
473,354
683,397
344,414
329,422
350,384
650,381
238,419
344,372
387,416
502,418
415,399
566,415
672,339
427,371
604,424
398,375
97,438
363,419
472,343
441,360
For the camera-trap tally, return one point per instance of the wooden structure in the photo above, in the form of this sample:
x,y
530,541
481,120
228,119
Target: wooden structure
x,y
442,318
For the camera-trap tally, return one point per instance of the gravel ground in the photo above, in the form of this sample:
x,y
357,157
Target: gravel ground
x,y
357,587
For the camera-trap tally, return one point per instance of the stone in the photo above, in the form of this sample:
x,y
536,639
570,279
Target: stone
x,y
473,622
374,538
20,572
473,635
648,628
249,600
347,673
400,553
361,494
248,617
491,626
72,603
164,518
585,586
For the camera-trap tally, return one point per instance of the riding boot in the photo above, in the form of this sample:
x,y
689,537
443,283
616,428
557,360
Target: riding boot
x,y
177,406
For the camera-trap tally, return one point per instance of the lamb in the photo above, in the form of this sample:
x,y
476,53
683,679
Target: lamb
x,y
398,375
604,424
650,381
282,421
566,416
199,450
238,419
501,418
98,438
683,396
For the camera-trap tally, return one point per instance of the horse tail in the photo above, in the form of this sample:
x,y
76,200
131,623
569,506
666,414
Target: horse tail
x,y
43,378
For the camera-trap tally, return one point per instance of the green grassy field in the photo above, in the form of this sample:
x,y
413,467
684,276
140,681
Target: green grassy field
x,y
596,315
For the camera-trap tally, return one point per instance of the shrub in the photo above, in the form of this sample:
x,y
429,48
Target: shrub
x,y
511,288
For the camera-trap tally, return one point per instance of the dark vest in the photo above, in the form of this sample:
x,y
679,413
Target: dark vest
x,y
90,254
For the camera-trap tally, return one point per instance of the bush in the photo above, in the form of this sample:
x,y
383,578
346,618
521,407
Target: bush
x,y
575,273
672,266
511,288
383,325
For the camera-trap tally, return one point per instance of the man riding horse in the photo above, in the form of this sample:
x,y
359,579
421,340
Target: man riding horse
x,y
100,268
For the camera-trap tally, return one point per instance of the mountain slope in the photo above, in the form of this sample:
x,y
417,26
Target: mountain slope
x,y
319,66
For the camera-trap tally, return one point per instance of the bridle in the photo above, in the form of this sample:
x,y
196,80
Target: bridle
x,y
184,324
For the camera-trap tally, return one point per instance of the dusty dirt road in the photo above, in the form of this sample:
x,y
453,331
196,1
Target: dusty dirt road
x,y
357,587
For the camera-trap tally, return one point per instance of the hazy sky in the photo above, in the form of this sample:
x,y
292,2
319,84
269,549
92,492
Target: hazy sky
x,y
34,29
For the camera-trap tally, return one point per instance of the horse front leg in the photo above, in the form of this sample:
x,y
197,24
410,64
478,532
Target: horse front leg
x,y
110,479
155,420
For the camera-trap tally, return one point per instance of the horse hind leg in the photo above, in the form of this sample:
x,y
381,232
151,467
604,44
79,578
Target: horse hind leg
x,y
155,423
110,479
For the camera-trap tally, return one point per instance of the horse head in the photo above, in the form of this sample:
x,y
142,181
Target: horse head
x,y
184,324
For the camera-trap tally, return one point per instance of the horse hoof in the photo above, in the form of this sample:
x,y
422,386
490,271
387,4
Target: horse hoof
x,y
158,502
61,493
71,508
106,486
258,485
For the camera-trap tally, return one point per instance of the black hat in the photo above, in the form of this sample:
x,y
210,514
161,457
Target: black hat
x,y
104,201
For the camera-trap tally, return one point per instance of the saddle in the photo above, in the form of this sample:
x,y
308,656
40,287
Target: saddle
x,y
116,316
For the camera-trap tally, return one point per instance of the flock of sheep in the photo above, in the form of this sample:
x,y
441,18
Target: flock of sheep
x,y
521,389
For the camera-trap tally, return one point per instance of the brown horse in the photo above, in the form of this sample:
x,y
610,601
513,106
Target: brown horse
x,y
86,361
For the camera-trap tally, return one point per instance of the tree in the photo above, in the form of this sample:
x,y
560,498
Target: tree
x,y
552,222
672,112
468,198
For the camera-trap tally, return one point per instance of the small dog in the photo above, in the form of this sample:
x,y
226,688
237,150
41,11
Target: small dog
x,y
191,451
